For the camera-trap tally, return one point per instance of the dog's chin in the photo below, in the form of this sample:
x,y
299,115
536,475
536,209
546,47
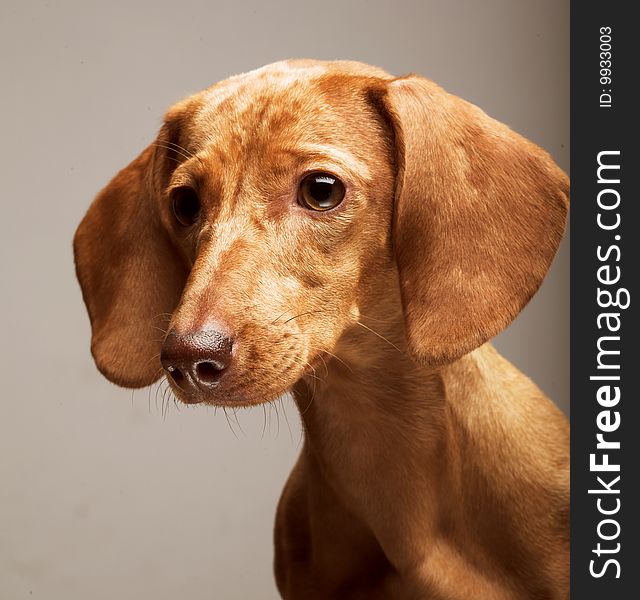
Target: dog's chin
x,y
251,388
235,396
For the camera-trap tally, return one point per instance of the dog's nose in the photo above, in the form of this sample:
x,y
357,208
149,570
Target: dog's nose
x,y
196,360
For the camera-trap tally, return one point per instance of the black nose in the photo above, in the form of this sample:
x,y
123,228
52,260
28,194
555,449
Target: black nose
x,y
196,361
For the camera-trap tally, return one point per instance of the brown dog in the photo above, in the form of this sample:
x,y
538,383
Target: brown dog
x,y
326,228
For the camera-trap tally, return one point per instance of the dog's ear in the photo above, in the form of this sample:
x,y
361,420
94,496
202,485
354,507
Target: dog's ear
x,y
479,214
131,276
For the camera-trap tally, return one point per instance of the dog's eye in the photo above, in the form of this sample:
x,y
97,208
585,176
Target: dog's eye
x,y
186,205
320,191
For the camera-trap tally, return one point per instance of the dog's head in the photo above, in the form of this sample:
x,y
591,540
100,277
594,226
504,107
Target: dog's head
x,y
278,207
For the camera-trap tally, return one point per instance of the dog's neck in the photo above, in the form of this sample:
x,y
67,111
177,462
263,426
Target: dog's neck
x,y
380,392
360,413
385,388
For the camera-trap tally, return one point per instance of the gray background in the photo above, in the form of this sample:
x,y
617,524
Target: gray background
x,y
105,494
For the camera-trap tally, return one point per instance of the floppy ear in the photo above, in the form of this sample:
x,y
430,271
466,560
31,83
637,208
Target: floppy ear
x,y
479,214
131,276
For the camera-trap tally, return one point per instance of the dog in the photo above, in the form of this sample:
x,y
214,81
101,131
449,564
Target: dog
x,y
357,239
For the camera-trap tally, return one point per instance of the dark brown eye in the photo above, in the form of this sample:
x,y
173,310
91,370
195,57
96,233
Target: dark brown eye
x,y
186,205
320,191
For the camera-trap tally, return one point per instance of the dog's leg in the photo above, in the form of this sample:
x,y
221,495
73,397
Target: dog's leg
x,y
321,549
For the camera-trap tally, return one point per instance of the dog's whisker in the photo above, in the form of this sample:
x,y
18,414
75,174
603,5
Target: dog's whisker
x,y
277,418
326,368
313,375
165,404
286,418
313,394
180,151
310,312
235,416
169,401
157,384
226,416
334,356
305,334
179,147
154,358
264,421
155,398
175,160
149,390
171,149
302,314
395,321
189,153
301,362
279,317
380,336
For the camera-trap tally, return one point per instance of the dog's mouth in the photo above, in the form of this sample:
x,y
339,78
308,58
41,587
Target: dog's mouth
x,y
246,365
242,384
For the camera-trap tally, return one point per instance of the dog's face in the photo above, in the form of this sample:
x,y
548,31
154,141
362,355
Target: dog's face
x,y
277,208
280,207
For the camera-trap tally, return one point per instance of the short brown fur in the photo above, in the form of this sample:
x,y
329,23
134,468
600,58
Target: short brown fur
x,y
431,467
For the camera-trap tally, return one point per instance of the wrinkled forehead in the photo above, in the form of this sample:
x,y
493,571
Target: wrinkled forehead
x,y
285,105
